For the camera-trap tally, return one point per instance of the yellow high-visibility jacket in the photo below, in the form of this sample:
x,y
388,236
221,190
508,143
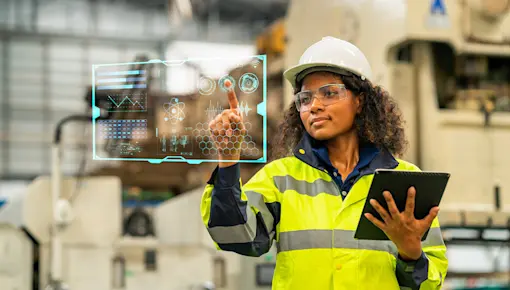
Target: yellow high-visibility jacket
x,y
296,203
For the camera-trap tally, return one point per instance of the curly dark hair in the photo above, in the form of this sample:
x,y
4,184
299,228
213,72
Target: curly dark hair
x,y
380,121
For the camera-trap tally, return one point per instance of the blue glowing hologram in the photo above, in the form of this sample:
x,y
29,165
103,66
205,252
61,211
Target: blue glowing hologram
x,y
174,111
221,82
168,127
248,83
206,86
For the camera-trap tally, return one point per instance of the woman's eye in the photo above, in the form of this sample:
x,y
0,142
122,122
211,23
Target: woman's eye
x,y
305,99
331,93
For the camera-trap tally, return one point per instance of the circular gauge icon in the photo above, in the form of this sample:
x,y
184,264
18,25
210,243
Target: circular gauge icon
x,y
221,82
206,86
248,83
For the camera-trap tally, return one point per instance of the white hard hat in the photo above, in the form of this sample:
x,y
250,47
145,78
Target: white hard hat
x,y
330,54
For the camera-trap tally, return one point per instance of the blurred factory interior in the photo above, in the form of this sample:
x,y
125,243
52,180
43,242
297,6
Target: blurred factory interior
x,y
136,225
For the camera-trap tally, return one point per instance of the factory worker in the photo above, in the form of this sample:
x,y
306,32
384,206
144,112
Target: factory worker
x,y
338,131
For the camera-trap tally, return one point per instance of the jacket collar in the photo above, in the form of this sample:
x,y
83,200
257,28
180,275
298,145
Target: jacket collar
x,y
304,152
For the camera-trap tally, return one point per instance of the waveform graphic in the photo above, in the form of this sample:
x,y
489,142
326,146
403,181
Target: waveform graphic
x,y
243,109
122,103
212,111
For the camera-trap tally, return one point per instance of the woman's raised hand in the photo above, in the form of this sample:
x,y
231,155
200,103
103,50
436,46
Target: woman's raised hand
x,y
228,127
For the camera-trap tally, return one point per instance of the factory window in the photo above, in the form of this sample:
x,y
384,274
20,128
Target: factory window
x,y
444,73
405,53
471,82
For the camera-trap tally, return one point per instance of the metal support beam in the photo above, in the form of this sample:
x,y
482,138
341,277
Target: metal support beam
x,y
5,115
215,32
113,39
46,94
34,14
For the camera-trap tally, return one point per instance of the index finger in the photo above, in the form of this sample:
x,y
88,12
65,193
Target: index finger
x,y
232,98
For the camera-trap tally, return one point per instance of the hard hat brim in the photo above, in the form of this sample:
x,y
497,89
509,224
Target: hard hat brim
x,y
292,74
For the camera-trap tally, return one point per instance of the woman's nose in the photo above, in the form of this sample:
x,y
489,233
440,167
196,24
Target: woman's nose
x,y
316,104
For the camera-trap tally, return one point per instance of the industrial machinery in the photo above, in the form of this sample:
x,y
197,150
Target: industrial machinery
x,y
95,255
190,255
272,41
86,238
447,64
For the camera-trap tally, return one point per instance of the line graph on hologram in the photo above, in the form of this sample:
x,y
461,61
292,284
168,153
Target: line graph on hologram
x,y
127,103
213,111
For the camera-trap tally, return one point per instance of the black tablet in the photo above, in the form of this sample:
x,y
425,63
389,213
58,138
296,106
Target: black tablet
x,y
430,187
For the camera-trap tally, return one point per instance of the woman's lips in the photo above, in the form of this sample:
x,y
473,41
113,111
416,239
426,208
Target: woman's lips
x,y
319,121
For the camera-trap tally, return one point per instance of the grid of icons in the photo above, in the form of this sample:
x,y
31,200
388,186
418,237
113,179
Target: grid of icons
x,y
123,129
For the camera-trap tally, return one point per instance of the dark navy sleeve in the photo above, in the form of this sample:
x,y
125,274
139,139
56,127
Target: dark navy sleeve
x,y
226,200
226,177
411,274
232,225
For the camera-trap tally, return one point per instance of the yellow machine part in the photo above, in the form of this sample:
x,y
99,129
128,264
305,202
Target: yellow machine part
x,y
272,40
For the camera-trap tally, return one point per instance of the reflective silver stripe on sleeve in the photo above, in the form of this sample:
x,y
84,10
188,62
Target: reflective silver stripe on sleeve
x,y
434,238
256,200
326,239
314,188
246,232
243,233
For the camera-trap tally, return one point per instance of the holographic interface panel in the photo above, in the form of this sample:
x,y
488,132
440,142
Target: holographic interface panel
x,y
137,116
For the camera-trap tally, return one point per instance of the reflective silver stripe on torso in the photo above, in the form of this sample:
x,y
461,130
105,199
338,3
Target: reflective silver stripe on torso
x,y
287,182
343,239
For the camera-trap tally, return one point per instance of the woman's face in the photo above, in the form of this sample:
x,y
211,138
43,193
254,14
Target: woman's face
x,y
327,122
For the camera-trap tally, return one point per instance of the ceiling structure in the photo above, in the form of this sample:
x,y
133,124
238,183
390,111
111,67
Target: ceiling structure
x,y
248,16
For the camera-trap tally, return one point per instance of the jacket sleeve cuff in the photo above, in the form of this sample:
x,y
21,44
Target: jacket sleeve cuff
x,y
413,273
226,177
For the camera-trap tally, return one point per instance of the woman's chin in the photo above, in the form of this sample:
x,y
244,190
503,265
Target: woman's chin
x,y
321,134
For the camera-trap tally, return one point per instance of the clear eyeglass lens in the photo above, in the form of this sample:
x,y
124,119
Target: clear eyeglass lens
x,y
328,95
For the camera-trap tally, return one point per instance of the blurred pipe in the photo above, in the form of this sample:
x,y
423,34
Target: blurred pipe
x,y
56,183
56,243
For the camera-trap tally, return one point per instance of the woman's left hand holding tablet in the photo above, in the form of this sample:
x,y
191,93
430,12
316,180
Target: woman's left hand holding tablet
x,y
402,228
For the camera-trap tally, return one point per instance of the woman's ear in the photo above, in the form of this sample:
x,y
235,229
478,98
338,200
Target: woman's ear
x,y
359,102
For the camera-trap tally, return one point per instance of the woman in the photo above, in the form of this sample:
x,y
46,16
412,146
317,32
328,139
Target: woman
x,y
339,130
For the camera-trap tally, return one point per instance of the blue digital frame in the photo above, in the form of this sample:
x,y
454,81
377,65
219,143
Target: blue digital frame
x,y
136,80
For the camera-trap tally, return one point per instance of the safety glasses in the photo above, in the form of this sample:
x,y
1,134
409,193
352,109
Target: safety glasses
x,y
327,95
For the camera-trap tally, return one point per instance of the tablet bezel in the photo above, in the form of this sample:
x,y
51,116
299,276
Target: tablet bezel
x,y
366,230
